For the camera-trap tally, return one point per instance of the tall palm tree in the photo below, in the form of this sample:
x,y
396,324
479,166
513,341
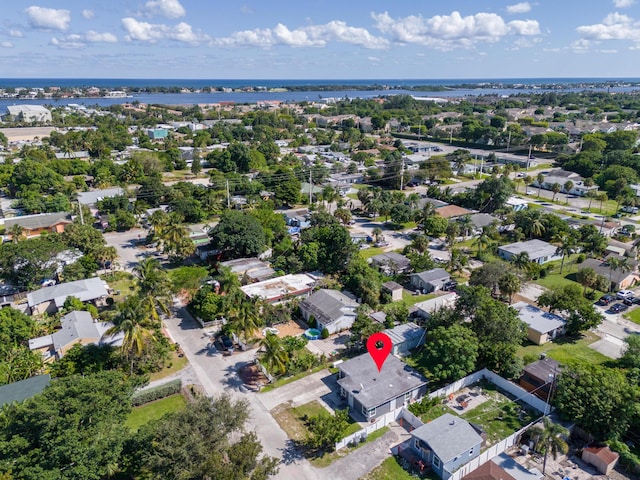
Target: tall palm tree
x,y
155,288
273,355
106,254
602,197
483,242
536,227
245,319
565,245
17,233
555,188
466,224
617,264
131,321
521,260
540,181
173,235
549,436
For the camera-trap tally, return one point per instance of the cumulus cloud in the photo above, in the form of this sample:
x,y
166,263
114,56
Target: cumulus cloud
x,y
614,26
445,32
152,33
15,33
308,36
165,8
48,18
79,40
522,7
88,14
6,44
623,3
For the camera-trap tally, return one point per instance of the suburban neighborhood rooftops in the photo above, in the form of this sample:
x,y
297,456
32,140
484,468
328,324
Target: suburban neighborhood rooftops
x,y
372,388
388,258
480,220
433,275
488,471
538,319
514,469
84,290
329,305
604,453
19,391
41,220
75,325
543,368
452,211
93,196
403,332
447,436
392,286
276,288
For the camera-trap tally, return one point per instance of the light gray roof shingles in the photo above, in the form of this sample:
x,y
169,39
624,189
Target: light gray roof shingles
x,y
448,436
327,305
537,319
44,220
84,290
434,275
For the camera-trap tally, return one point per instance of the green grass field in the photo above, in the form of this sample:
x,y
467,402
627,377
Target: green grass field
x,y
633,315
143,414
391,469
566,350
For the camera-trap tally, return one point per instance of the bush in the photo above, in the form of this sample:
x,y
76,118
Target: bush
x,y
156,393
423,406
581,258
325,333
312,322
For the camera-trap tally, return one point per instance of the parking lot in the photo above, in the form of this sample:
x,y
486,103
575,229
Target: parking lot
x,y
615,328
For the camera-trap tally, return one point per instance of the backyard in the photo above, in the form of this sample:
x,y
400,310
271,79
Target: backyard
x,y
566,350
392,469
143,414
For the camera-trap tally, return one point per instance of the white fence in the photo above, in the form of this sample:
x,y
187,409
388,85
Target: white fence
x,y
361,435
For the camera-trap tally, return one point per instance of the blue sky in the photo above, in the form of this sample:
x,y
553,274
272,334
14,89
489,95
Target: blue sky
x,y
316,39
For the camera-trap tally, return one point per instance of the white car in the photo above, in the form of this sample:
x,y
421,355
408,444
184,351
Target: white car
x,y
622,294
531,192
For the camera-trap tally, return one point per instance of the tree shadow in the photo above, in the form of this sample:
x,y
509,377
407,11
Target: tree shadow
x,y
293,451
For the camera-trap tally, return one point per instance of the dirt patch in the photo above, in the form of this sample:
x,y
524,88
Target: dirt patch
x,y
291,425
289,329
252,375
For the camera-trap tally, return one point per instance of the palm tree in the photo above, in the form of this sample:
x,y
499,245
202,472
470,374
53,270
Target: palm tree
x,y
537,227
568,186
555,188
413,199
273,355
377,232
602,197
540,181
565,244
591,194
155,288
509,285
549,437
453,230
587,277
245,318
106,255
17,232
466,224
521,260
173,235
131,322
615,264
483,241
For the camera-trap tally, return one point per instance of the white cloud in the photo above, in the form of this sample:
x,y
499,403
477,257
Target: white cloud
x,y
614,26
6,44
373,59
152,33
15,33
166,8
247,10
623,3
522,7
80,40
445,32
309,36
48,18
88,14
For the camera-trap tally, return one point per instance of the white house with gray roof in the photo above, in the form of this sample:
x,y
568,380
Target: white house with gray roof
x,y
51,299
430,280
447,443
331,309
539,251
370,394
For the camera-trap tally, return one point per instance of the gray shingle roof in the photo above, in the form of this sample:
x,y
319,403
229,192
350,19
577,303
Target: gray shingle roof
x,y
19,391
537,319
534,248
372,388
76,325
84,290
44,220
387,258
404,332
327,306
448,436
436,274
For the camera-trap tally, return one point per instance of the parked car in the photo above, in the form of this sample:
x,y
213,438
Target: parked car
x,y
381,244
618,307
630,301
226,343
449,286
605,300
622,294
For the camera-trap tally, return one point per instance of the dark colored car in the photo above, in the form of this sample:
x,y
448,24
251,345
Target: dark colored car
x,y
630,301
618,307
449,286
226,342
606,300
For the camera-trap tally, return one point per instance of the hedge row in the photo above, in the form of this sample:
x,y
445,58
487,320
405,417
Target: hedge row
x,y
145,396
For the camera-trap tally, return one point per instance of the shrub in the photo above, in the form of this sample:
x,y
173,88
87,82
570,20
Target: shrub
x,y
156,393
325,333
581,258
312,322
423,406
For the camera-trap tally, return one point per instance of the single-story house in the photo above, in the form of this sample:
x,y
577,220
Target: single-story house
x,y
539,251
503,467
601,457
539,376
447,443
91,197
426,308
331,309
542,326
394,289
76,327
298,218
371,393
391,262
481,220
250,269
561,177
281,289
452,211
430,280
405,337
51,299
36,225
23,389
620,279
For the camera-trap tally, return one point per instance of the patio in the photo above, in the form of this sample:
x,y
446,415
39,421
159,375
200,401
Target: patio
x,y
329,347
466,399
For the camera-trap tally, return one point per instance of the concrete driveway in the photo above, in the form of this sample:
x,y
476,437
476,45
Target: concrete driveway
x,y
613,330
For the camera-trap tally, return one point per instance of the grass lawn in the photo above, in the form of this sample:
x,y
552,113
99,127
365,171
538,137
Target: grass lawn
x,y
434,412
566,350
154,410
370,252
555,279
283,381
173,365
499,416
391,469
123,281
409,299
633,315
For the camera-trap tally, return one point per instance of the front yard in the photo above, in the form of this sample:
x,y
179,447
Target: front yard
x,y
392,469
633,315
143,414
566,350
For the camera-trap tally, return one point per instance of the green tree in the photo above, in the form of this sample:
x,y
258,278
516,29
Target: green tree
x,y
245,319
326,429
509,285
565,247
238,235
555,188
450,353
273,354
587,277
549,437
435,225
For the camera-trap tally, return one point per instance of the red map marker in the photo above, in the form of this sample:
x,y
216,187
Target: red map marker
x,y
380,354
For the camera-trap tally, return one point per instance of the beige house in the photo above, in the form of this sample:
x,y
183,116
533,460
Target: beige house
x,y
542,327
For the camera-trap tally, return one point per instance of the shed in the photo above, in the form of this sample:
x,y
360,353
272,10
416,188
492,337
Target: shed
x,y
395,289
601,457
404,338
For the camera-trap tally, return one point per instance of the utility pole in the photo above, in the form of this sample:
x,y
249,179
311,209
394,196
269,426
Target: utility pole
x,y
310,186
402,175
529,156
228,195
450,135
509,141
80,210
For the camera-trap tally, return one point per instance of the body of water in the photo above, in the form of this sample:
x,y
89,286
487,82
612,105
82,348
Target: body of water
x,y
465,88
